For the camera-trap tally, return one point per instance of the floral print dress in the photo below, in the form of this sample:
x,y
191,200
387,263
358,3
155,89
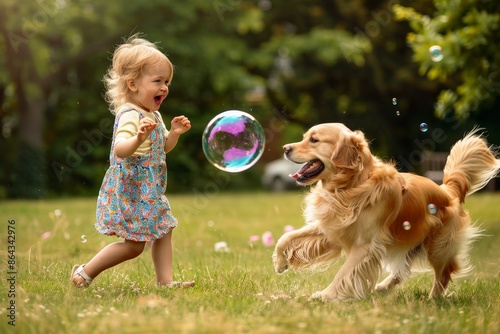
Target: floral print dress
x,y
132,202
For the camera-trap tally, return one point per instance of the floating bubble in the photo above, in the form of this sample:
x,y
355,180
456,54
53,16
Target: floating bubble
x,y
398,113
424,127
83,238
407,225
233,141
436,53
394,101
432,209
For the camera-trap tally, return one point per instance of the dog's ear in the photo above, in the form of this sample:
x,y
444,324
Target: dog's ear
x,y
350,151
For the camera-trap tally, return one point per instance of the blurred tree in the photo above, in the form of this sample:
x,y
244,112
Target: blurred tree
x,y
457,44
56,127
27,97
40,59
290,63
337,61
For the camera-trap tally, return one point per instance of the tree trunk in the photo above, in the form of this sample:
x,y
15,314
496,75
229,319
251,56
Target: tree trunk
x,y
28,176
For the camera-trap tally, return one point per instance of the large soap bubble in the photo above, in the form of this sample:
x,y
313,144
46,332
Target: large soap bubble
x,y
233,141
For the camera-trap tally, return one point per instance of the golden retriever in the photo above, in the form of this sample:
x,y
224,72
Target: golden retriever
x,y
380,218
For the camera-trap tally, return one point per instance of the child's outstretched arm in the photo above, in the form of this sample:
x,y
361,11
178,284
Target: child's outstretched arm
x,y
180,125
127,147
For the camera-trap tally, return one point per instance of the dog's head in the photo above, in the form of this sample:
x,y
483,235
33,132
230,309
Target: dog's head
x,y
328,149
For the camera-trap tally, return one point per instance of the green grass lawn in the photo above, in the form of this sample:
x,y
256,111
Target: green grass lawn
x,y
236,291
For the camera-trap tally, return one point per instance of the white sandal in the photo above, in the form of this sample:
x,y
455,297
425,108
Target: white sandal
x,y
180,284
78,270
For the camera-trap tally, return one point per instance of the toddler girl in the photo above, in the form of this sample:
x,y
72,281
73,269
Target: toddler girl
x,y
131,202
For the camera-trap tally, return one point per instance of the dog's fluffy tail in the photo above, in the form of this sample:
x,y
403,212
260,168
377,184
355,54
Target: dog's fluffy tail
x,y
470,165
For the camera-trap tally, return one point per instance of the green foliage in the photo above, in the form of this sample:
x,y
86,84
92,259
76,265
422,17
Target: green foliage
x,y
466,31
290,64
31,175
235,292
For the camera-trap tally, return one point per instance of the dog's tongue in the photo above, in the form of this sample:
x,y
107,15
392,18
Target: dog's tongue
x,y
311,165
301,171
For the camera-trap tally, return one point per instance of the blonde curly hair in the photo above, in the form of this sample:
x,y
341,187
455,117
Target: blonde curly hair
x,y
129,62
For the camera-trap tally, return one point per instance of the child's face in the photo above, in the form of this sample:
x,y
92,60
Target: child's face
x,y
150,89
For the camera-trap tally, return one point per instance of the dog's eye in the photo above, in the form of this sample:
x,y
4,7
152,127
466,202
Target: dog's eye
x,y
313,140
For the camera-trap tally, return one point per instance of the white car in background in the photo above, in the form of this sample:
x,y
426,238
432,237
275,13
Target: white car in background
x,y
277,175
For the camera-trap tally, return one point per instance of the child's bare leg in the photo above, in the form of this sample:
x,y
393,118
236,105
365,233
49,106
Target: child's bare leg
x,y
161,250
110,256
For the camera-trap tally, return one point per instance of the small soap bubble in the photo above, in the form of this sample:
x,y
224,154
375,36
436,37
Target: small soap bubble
x,y
424,127
436,53
233,141
432,209
406,225
394,101
83,238
398,113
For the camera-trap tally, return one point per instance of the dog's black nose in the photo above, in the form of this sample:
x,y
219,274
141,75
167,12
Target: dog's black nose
x,y
287,148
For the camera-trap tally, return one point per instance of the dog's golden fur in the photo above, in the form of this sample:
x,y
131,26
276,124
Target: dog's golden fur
x,y
359,203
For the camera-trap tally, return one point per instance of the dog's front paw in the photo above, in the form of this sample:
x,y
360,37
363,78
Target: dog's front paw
x,y
280,262
323,296
318,295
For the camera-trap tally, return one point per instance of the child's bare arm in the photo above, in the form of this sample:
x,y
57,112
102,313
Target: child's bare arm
x,y
180,125
127,147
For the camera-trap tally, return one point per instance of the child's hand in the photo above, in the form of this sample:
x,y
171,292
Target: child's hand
x,y
146,126
180,125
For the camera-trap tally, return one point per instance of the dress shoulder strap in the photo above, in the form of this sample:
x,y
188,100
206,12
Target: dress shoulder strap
x,y
158,116
126,108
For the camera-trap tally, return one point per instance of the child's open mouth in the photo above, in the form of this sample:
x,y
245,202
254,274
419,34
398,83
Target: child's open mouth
x,y
159,99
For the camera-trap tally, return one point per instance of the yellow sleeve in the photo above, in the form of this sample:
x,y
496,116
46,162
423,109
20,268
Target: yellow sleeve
x,y
128,126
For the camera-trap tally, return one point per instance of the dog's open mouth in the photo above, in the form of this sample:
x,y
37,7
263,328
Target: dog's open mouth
x,y
308,171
